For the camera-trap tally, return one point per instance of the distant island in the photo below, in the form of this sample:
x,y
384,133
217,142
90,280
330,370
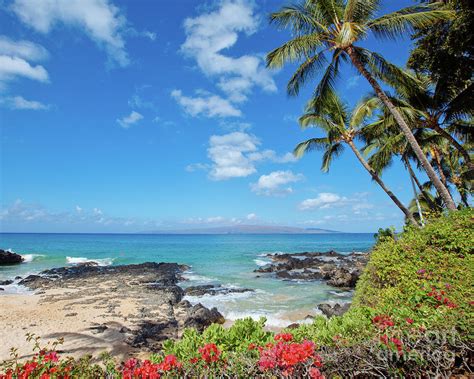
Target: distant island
x,y
245,229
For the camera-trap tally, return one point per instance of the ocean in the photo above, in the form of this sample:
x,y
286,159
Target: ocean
x,y
214,259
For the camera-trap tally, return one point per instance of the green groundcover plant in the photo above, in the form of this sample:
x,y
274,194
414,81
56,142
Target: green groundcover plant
x,y
410,317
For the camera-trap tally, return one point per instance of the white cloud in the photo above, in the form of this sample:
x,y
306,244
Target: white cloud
x,y
272,184
251,216
229,155
131,119
99,19
207,105
16,61
235,155
22,49
20,103
20,214
324,200
210,34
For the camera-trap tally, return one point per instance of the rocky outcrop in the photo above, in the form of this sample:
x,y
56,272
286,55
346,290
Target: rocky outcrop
x,y
5,282
144,299
212,290
9,258
335,269
333,310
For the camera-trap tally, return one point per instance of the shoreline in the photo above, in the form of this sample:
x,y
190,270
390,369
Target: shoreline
x,y
131,309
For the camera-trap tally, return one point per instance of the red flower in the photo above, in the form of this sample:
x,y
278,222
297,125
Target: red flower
x,y
314,373
210,353
287,337
252,346
409,320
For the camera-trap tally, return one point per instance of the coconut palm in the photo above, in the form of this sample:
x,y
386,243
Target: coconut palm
x,y
326,33
386,141
341,127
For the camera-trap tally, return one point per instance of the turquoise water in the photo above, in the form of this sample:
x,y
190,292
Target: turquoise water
x,y
222,259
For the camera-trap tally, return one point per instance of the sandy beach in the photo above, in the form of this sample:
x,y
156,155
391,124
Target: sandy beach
x,y
126,311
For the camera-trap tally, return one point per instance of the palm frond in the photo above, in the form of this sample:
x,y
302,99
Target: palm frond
x,y
360,10
300,19
301,47
305,72
396,24
333,150
312,144
364,109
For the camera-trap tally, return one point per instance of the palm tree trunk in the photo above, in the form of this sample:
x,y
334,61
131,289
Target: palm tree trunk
x,y
379,181
437,160
440,187
417,201
417,182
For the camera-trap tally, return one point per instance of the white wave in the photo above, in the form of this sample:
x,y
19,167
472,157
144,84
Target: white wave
x,y
342,293
220,300
80,260
193,277
261,262
27,258
15,289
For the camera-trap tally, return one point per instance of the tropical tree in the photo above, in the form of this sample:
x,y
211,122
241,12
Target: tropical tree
x,y
435,129
326,33
341,127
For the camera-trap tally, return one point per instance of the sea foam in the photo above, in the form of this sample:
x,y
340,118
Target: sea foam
x,y
27,258
80,260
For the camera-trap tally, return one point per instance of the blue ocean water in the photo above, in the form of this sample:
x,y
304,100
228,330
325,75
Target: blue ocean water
x,y
222,259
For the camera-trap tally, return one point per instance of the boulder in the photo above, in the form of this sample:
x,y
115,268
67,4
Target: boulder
x,y
343,278
5,282
200,317
334,310
210,289
9,258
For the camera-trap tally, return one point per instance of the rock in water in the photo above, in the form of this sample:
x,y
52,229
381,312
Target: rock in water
x,y
9,258
338,270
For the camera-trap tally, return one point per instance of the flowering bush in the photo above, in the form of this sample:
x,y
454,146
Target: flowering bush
x,y
411,316
286,356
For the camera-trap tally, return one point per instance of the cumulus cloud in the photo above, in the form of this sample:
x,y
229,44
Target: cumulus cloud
x,y
274,183
99,19
235,155
127,121
211,34
207,105
229,155
20,103
324,200
17,59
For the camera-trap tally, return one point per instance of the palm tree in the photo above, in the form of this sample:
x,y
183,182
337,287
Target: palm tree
x,y
449,159
341,127
331,28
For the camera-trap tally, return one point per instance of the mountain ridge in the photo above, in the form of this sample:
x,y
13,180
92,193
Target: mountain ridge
x,y
245,229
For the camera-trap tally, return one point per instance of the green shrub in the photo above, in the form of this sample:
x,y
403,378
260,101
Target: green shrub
x,y
425,275
236,338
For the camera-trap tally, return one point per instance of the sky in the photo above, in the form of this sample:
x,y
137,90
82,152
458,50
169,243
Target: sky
x,y
132,116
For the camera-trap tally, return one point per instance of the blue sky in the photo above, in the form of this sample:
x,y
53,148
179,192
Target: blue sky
x,y
125,116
